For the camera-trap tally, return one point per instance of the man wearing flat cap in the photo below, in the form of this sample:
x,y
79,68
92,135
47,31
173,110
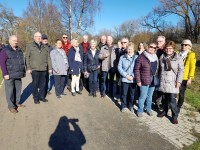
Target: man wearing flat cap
x,y
189,59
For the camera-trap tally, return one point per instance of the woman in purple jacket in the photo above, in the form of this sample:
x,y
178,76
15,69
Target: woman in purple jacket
x,y
145,70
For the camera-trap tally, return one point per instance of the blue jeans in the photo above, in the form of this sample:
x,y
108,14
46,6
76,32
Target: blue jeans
x,y
146,93
93,84
104,81
128,87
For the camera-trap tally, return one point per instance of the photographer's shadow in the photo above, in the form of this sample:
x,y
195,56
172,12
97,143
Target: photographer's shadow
x,y
26,93
67,135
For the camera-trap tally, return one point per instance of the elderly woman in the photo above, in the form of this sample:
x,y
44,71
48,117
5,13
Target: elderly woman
x,y
125,68
171,75
75,58
145,71
189,59
91,67
60,67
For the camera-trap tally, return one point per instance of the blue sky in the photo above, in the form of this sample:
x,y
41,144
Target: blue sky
x,y
113,12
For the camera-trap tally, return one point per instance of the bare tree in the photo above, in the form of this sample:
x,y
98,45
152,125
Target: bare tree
x,y
78,15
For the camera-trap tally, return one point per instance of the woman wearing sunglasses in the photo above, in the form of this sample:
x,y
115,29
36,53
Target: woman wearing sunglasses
x,y
189,59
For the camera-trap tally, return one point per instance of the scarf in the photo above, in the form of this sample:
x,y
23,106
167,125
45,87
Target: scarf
x,y
85,47
183,54
151,57
167,61
77,54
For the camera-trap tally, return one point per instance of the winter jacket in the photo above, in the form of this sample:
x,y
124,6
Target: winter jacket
x,y
124,63
59,62
90,62
109,62
142,70
14,62
75,67
189,65
38,58
3,58
168,79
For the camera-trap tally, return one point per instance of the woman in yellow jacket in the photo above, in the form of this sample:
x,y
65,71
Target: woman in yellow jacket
x,y
189,60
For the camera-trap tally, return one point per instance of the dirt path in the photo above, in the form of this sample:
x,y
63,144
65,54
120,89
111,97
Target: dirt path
x,y
79,122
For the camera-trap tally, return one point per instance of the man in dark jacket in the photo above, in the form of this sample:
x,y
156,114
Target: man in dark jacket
x,y
13,68
49,79
38,62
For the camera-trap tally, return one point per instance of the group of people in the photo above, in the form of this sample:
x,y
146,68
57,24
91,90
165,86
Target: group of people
x,y
153,69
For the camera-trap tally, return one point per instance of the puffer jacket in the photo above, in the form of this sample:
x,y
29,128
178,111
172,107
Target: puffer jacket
x,y
124,63
168,79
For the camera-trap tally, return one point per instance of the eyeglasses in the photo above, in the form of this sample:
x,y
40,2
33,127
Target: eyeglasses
x,y
152,47
64,37
184,44
123,42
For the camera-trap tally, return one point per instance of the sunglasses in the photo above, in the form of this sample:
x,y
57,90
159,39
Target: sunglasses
x,y
152,47
184,44
65,37
123,42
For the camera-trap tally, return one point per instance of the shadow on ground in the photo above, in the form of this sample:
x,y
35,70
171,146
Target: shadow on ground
x,y
67,135
26,93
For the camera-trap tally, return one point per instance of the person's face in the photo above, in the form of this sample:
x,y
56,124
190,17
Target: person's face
x,y
37,37
124,43
75,43
130,50
141,46
103,39
13,42
169,50
185,47
65,38
44,41
161,43
93,45
151,48
59,44
85,39
109,41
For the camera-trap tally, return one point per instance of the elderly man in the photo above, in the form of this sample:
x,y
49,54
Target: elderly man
x,y
108,65
160,45
38,62
13,68
189,60
102,42
66,45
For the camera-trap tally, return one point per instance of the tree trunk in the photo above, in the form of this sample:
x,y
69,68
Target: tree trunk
x,y
80,18
70,19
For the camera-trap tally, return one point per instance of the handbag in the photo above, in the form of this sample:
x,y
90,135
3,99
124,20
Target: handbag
x,y
119,82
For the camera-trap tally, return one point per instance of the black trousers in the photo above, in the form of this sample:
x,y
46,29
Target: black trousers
x,y
170,101
59,84
39,84
182,93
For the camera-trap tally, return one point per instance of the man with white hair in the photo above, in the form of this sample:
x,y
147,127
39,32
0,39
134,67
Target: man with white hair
x,y
108,65
13,68
102,42
189,60
161,45
38,62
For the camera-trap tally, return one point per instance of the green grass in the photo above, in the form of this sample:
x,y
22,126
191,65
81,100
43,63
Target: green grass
x,y
1,78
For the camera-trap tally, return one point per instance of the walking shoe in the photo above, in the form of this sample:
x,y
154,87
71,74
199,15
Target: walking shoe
x,y
43,100
161,115
175,121
36,101
78,92
90,94
49,93
103,96
150,113
94,94
139,114
64,94
59,97
124,110
20,105
73,93
132,110
13,110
